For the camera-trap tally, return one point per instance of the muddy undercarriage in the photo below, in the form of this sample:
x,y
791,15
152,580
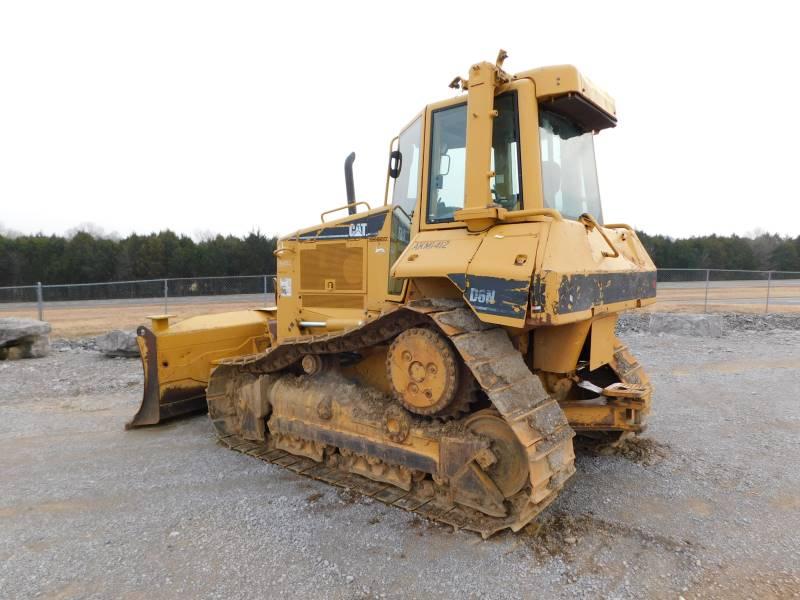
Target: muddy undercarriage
x,y
496,464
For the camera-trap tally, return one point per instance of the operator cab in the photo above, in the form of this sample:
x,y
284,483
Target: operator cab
x,y
541,155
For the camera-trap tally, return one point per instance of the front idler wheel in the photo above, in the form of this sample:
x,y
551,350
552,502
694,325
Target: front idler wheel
x,y
509,467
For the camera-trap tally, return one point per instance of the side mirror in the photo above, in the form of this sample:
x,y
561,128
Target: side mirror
x,y
395,163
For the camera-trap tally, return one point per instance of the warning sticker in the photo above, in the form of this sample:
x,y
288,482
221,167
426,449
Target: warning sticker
x,y
286,286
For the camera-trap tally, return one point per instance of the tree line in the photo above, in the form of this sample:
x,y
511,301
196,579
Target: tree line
x,y
763,252
85,257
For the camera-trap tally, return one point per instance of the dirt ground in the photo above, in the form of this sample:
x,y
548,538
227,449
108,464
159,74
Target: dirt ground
x,y
92,320
705,505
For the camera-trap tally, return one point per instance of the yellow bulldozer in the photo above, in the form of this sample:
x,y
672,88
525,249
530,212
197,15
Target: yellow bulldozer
x,y
440,351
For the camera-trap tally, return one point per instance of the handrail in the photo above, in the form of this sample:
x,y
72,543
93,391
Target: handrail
x,y
280,251
590,223
620,226
534,212
333,210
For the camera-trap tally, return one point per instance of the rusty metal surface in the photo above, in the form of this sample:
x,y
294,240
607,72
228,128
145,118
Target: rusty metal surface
x,y
578,292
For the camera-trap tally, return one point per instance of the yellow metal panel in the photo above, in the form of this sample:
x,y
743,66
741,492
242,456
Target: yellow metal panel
x,y
501,271
602,341
239,318
577,280
480,119
186,349
556,349
601,417
437,254
287,288
333,300
530,149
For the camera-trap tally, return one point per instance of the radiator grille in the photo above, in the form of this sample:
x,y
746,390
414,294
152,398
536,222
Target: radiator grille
x,y
332,262
333,300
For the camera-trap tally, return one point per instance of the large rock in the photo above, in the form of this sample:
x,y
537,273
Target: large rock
x,y
24,338
118,343
686,324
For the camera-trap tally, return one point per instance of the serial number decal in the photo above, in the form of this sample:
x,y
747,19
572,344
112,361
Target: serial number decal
x,y
479,296
432,244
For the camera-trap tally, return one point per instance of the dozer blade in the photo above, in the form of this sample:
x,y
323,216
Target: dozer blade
x,y
177,360
172,402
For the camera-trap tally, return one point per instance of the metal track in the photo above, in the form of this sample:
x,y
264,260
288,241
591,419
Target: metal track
x,y
415,501
536,419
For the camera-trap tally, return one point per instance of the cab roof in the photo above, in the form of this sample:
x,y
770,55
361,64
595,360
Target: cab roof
x,y
563,89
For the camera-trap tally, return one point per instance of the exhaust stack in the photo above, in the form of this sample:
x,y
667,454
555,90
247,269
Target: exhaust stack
x,y
348,182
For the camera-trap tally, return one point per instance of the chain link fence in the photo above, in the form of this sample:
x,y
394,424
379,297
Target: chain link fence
x,y
729,290
163,293
678,289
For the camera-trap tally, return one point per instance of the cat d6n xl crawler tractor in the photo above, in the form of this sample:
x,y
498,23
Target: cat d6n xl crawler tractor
x,y
438,352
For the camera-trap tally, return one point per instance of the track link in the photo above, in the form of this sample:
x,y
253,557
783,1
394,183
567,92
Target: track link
x,y
515,392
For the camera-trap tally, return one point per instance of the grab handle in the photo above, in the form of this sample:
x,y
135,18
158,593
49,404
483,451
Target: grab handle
x,y
534,212
333,210
590,223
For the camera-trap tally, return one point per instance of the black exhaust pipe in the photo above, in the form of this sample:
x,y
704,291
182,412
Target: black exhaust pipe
x,y
348,182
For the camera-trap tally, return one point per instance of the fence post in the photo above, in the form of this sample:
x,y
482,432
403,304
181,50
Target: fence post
x,y
769,285
266,300
40,300
705,302
166,309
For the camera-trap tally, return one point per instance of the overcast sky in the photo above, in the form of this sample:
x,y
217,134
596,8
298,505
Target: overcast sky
x,y
235,116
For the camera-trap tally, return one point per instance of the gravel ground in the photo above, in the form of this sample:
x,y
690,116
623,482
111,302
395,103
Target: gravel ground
x,y
706,505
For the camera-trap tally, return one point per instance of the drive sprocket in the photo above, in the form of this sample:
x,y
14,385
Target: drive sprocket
x,y
423,370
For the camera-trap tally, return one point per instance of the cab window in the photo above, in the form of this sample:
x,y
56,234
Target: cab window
x,y
448,153
505,186
400,237
448,156
405,193
569,173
